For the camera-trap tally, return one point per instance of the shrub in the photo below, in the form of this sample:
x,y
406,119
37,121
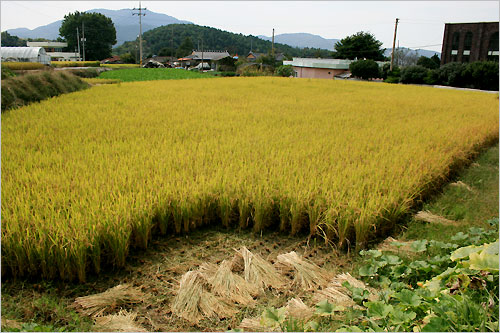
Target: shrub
x,y
365,69
450,74
6,73
18,91
86,73
22,65
481,75
413,74
284,70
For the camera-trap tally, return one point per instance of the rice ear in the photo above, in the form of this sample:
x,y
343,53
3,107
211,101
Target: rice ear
x,y
297,309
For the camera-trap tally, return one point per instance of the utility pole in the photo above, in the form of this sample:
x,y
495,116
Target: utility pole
x,y
83,39
394,43
140,14
272,50
202,55
78,42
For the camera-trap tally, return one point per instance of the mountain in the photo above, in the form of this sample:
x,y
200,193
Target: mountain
x,y
160,41
302,40
126,25
420,52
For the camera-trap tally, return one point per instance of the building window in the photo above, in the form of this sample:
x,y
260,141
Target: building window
x,y
455,41
493,47
467,47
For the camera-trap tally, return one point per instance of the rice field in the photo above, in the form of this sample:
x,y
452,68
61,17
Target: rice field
x,y
87,175
148,74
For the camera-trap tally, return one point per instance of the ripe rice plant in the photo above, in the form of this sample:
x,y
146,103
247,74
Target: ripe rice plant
x,y
75,64
89,174
22,65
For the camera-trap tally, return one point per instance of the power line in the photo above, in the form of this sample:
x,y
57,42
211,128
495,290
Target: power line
x,y
140,14
414,47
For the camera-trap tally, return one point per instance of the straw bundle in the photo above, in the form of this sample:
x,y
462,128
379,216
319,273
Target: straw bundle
x,y
308,275
297,309
254,325
427,216
194,302
96,305
388,245
122,322
259,272
232,287
334,296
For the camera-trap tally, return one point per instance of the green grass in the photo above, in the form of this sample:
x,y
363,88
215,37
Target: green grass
x,y
149,74
468,208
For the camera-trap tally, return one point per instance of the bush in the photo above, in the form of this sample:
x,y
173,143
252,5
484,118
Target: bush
x,y
450,74
86,73
22,65
18,91
284,70
365,69
414,74
6,73
481,75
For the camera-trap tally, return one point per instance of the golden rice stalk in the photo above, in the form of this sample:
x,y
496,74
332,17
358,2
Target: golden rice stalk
x,y
254,325
427,216
259,272
208,270
96,305
297,309
122,322
232,287
308,276
194,302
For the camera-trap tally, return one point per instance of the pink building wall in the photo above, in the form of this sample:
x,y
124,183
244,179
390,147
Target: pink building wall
x,y
317,73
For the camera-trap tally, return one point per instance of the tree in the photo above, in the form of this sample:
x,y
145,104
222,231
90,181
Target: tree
x,y
10,40
185,48
431,63
361,45
365,69
405,57
100,34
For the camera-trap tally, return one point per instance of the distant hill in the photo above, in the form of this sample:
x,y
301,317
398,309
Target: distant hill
x,y
302,40
159,41
126,25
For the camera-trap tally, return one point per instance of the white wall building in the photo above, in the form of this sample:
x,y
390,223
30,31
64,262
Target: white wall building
x,y
320,68
54,50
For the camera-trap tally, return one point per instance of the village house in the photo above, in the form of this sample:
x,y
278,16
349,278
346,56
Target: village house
x,y
314,68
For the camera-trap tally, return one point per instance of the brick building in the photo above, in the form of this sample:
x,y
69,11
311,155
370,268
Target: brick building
x,y
468,42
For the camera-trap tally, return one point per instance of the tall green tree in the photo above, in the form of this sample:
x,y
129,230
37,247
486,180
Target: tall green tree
x,y
100,34
185,48
10,40
361,45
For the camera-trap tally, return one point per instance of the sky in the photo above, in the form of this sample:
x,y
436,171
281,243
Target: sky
x,y
421,23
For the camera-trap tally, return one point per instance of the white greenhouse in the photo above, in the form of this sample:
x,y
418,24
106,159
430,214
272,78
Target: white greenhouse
x,y
25,54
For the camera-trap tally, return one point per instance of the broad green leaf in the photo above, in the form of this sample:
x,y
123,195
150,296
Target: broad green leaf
x,y
349,329
311,326
484,261
371,253
400,270
408,297
465,252
420,265
378,309
324,308
401,317
436,324
492,248
419,245
368,270
391,259
460,237
272,317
